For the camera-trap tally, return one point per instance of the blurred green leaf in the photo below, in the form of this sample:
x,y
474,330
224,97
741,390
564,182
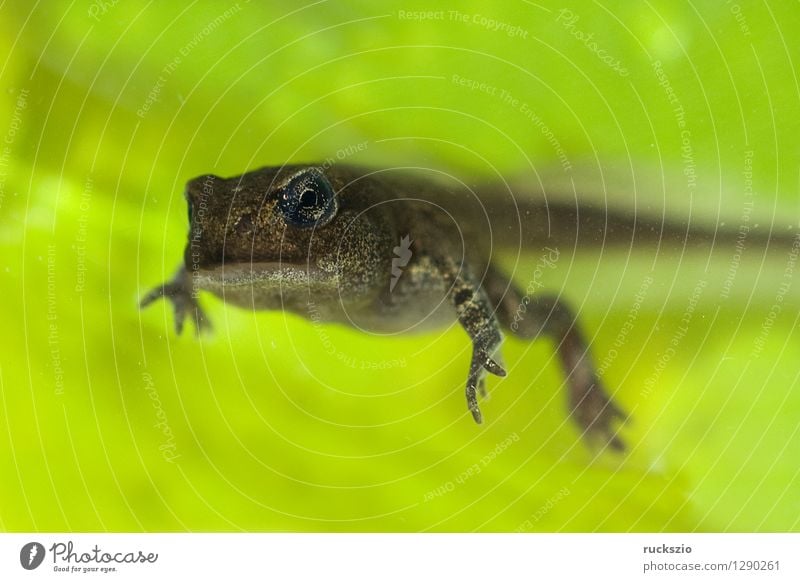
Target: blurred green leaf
x,y
266,429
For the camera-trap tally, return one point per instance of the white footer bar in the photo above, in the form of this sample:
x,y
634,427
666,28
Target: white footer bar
x,y
390,557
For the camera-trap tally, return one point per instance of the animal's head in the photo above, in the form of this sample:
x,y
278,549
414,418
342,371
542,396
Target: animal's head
x,y
290,226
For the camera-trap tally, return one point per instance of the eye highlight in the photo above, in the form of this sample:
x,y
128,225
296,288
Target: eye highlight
x,y
307,199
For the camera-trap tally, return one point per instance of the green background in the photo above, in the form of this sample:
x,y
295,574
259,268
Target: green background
x,y
274,433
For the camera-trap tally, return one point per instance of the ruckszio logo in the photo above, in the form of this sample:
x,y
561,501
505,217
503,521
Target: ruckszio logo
x,y
31,555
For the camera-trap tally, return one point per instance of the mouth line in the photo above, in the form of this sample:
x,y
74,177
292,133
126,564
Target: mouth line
x,y
265,273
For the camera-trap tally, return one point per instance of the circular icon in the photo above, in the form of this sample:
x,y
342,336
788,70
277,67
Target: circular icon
x,y
31,555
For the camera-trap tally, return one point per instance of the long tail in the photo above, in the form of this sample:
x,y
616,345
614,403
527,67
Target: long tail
x,y
589,209
589,225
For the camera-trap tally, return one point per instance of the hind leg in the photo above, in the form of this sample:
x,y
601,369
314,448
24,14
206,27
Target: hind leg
x,y
533,316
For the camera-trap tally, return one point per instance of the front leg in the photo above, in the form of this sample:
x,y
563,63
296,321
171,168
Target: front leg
x,y
179,292
476,316
531,316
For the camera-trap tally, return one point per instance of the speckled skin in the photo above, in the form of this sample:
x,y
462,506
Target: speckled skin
x,y
241,249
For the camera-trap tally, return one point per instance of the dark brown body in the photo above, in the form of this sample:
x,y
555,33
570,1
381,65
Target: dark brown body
x,y
398,251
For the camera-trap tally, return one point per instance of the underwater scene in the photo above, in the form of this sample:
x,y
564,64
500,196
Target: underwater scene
x,y
369,214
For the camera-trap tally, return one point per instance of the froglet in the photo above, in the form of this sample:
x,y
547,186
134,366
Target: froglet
x,y
396,250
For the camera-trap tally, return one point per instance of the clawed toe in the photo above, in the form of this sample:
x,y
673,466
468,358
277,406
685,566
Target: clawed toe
x,y
494,368
201,323
476,382
153,295
599,418
482,389
183,304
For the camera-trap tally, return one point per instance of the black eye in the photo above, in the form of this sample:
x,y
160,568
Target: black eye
x,y
307,199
